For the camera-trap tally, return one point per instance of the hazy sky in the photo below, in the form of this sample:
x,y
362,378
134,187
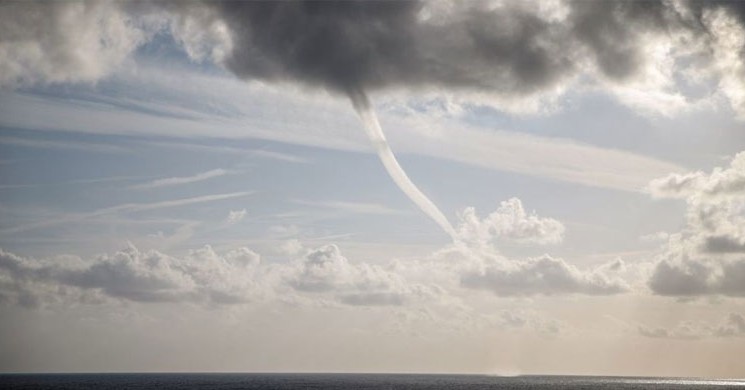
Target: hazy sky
x,y
192,187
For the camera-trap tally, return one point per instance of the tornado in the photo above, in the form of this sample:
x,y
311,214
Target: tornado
x,y
362,106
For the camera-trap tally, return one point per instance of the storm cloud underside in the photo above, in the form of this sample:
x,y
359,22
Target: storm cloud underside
x,y
508,49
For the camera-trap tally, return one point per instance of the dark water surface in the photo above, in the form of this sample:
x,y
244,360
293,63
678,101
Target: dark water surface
x,y
348,381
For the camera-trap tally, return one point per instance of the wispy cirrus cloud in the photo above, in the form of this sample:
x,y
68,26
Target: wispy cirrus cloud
x,y
179,180
125,208
268,154
351,207
326,124
260,153
63,145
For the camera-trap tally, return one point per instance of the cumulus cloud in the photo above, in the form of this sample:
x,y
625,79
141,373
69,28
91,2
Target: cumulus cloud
x,y
475,263
199,29
85,41
315,276
683,275
325,270
236,216
708,256
676,185
63,41
133,275
728,39
204,276
733,325
503,51
721,183
510,222
543,275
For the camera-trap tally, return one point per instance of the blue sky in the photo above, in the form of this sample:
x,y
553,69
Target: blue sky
x,y
150,197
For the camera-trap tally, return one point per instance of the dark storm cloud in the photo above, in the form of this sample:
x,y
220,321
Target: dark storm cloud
x,y
610,31
732,7
514,48
349,45
614,32
510,49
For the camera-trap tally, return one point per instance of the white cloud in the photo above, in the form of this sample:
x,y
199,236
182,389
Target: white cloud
x,y
235,216
319,276
325,270
483,268
205,276
201,33
721,183
708,256
351,207
222,149
173,181
728,39
61,42
731,326
130,274
543,275
64,42
172,203
510,222
278,156
503,150
291,247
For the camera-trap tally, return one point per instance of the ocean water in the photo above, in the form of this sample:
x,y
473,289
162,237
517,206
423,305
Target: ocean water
x,y
348,381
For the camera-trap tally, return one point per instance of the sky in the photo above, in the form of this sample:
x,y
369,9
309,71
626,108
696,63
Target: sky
x,y
495,187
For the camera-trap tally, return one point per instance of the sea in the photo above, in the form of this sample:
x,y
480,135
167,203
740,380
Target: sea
x,y
349,381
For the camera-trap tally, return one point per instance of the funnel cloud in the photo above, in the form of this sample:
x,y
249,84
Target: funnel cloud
x,y
372,127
